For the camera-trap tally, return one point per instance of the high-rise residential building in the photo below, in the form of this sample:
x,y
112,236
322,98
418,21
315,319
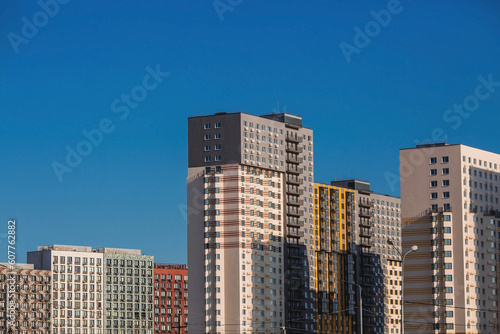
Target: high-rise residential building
x,y
77,283
96,291
336,250
378,270
250,223
451,212
171,294
128,291
29,292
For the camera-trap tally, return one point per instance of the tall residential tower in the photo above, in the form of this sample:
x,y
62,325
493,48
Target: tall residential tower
x,y
250,223
451,212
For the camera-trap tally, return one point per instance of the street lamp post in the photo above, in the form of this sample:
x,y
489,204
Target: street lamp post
x,y
360,291
413,248
360,307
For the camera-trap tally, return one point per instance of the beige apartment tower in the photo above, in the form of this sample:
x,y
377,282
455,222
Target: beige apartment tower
x,y
451,212
249,199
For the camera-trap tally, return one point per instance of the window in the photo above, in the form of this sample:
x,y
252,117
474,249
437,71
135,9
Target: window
x,y
447,229
218,147
434,195
217,125
218,157
446,194
446,183
207,148
445,160
208,158
433,160
206,126
207,137
433,172
434,184
218,136
446,171
447,253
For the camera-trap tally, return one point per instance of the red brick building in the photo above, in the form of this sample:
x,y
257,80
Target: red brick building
x,y
171,298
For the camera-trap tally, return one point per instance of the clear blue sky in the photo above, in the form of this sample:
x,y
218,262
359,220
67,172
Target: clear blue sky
x,y
128,192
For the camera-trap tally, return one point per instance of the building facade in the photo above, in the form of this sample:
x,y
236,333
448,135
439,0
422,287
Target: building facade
x,y
450,211
250,219
98,291
77,298
30,291
336,250
171,298
128,291
378,265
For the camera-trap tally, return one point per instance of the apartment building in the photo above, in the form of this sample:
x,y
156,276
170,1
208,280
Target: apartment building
x,y
450,211
335,231
30,291
250,223
171,294
96,291
76,276
378,265
128,291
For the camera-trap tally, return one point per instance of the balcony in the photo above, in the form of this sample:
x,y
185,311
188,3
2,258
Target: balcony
x,y
294,138
295,234
294,201
296,213
295,223
294,160
364,233
292,149
294,180
365,223
294,169
365,242
365,214
295,255
296,192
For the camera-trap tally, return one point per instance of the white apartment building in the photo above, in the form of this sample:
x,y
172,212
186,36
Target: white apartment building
x,y
451,212
98,291
77,283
